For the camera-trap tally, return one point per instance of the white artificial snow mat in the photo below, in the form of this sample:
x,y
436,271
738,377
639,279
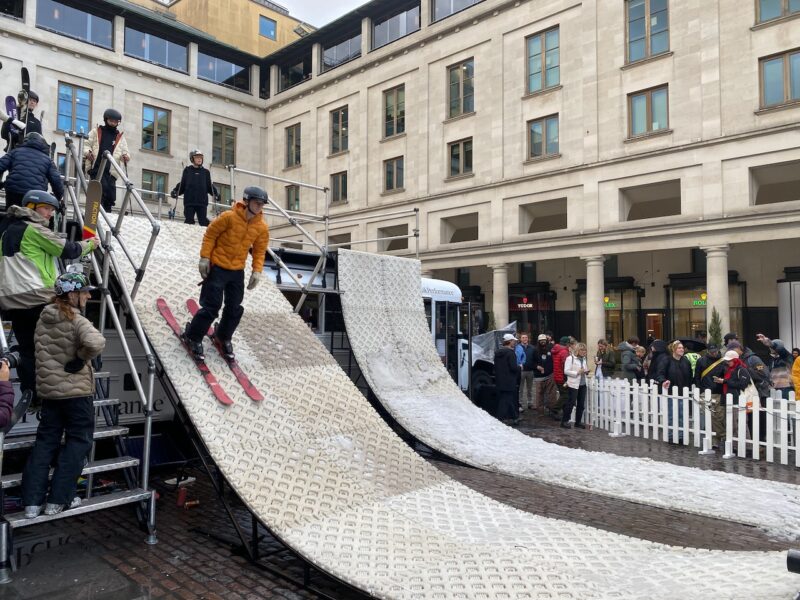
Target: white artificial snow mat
x,y
317,466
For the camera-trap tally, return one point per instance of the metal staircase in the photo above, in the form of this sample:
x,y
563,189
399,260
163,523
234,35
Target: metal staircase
x,y
106,272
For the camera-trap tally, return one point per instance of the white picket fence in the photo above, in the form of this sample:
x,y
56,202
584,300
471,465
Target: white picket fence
x,y
641,410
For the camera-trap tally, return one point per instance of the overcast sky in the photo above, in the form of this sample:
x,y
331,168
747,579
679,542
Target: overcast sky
x,y
320,12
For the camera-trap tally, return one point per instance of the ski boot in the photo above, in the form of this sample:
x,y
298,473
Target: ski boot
x,y
195,348
31,512
225,347
53,509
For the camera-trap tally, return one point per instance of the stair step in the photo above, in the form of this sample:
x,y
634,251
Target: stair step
x,y
18,443
106,402
17,520
98,466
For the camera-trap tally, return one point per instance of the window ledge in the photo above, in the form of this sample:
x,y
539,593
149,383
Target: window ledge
x,y
461,116
539,159
336,203
647,136
156,153
393,192
340,153
457,177
292,167
643,61
776,21
543,92
777,108
396,136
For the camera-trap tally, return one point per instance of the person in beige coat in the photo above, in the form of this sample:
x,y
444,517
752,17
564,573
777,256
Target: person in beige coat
x,y
101,138
66,342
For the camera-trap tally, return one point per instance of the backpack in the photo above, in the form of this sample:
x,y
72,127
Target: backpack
x,y
759,374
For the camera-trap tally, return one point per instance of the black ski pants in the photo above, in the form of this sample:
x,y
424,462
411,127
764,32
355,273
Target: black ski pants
x,y
221,284
23,323
73,418
189,213
109,183
577,400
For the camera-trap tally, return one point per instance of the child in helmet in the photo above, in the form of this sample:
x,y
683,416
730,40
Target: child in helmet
x,y
195,186
28,270
106,137
66,342
227,242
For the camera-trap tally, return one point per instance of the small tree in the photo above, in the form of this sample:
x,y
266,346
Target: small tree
x,y
490,325
715,328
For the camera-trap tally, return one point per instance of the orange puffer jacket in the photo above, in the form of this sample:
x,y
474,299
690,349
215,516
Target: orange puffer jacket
x,y
229,238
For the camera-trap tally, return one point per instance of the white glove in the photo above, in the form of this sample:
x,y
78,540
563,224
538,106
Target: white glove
x,y
255,277
204,266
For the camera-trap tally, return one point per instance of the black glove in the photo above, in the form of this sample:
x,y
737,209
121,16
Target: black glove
x,y
75,365
174,193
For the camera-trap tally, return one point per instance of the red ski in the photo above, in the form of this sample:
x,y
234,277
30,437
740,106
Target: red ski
x,y
240,375
212,382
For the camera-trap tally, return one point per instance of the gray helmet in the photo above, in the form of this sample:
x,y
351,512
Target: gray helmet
x,y
33,135
40,197
112,113
254,192
72,282
195,152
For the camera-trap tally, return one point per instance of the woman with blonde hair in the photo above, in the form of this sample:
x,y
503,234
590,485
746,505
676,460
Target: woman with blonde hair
x,y
576,368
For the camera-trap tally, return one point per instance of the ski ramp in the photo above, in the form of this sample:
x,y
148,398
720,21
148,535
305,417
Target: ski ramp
x,y
389,334
320,469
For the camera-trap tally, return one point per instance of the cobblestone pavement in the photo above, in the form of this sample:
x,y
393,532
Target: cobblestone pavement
x,y
103,557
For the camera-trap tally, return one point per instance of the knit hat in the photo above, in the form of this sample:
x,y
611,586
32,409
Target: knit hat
x,y
734,345
564,341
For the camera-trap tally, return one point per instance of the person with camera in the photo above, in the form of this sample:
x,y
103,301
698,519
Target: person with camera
x,y
28,253
66,342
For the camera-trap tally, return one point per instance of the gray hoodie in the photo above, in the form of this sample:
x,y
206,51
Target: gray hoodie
x,y
630,364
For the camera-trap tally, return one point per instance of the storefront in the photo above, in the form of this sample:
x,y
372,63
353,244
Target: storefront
x,y
622,301
532,306
687,303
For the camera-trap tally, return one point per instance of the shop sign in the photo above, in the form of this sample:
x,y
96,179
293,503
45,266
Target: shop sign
x,y
700,301
608,304
529,304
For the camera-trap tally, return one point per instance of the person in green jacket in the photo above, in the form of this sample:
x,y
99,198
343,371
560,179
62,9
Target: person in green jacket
x,y
28,270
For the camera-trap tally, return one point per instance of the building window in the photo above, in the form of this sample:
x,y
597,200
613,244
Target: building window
x,y
543,137
767,10
61,163
544,69
460,89
460,157
393,177
648,111
462,277
393,231
394,111
267,27
395,27
74,108
339,130
650,201
225,196
527,272
155,183
292,74
338,54
263,82
293,145
155,129
445,8
648,28
780,79
339,187
460,228
542,217
293,197
223,72
341,240
223,145
74,23
154,49
12,8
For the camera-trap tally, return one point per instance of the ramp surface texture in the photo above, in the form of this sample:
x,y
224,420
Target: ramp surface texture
x,y
389,334
318,466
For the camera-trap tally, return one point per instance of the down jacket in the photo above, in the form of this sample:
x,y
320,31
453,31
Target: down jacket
x,y
229,238
58,341
30,168
560,354
28,253
93,145
6,404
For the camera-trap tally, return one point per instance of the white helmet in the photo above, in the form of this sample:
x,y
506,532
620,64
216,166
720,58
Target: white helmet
x,y
195,152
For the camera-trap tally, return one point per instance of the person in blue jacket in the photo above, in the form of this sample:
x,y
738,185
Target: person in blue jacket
x,y
30,168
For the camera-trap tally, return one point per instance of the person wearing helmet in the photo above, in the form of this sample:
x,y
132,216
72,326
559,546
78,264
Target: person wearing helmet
x,y
195,186
66,342
25,123
227,242
29,168
106,137
28,270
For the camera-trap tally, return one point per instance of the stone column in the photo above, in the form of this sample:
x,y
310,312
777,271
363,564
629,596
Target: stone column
x,y
274,80
500,294
595,311
717,285
29,13
255,81
119,36
193,58
427,273
316,59
366,36
424,13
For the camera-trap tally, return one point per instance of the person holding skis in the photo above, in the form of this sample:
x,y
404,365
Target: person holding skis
x,y
66,342
25,123
28,270
227,242
106,137
195,186
29,168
